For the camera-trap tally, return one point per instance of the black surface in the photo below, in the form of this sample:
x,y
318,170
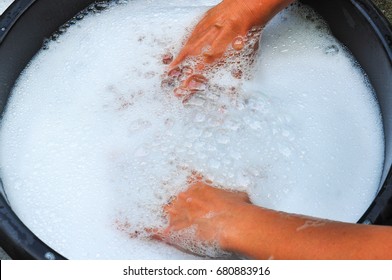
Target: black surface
x,y
27,23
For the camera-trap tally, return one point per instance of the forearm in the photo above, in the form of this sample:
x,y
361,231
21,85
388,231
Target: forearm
x,y
264,234
262,10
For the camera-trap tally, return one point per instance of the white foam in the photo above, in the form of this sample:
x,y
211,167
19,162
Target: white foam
x,y
92,146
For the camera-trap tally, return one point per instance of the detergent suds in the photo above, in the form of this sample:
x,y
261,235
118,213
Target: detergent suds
x,y
97,136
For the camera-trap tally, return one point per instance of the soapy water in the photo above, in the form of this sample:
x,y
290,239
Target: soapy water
x,y
94,141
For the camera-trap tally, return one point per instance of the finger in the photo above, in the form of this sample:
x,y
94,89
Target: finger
x,y
199,40
244,196
191,48
169,209
176,225
194,177
184,53
155,233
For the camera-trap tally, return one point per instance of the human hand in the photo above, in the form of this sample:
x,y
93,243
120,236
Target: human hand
x,y
223,32
229,29
203,216
225,24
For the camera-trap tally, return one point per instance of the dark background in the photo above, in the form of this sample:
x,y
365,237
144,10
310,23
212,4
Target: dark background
x,y
386,7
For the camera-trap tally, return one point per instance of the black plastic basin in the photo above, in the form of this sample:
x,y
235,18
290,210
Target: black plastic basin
x,y
358,24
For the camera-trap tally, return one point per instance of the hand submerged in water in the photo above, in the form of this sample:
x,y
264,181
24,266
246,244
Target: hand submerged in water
x,y
206,211
223,31
216,31
204,218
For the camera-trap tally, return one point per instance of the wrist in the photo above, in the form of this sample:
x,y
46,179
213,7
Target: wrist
x,y
259,12
239,226
249,11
